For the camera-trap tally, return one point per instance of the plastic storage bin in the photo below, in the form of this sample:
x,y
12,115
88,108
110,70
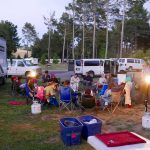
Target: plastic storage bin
x,y
70,135
90,129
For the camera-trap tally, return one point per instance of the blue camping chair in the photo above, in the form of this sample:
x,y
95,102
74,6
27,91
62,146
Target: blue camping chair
x,y
104,88
27,92
65,98
53,101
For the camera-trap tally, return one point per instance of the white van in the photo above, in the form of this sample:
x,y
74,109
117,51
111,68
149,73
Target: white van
x,y
21,67
94,66
32,60
131,64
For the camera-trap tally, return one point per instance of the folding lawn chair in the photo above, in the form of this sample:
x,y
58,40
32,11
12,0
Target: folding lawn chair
x,y
104,88
65,98
104,102
116,100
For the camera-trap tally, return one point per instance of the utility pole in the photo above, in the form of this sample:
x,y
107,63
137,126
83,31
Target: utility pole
x,y
106,51
48,22
83,37
94,35
122,30
83,41
73,57
64,45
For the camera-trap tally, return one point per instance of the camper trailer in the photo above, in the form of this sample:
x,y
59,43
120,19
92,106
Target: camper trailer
x,y
3,61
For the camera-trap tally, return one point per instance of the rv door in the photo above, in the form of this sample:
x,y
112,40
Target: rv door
x,y
107,66
78,67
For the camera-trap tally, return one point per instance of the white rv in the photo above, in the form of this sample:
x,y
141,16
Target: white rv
x,y
95,66
131,64
3,55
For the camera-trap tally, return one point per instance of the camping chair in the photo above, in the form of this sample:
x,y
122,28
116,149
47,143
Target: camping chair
x,y
88,99
27,92
116,99
105,100
65,98
104,88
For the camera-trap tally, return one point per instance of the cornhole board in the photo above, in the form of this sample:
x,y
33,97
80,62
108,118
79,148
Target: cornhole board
x,y
121,78
99,145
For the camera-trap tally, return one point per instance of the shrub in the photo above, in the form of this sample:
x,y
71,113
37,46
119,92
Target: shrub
x,y
43,59
55,61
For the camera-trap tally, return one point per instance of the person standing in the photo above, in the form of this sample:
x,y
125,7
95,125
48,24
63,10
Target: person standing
x,y
127,89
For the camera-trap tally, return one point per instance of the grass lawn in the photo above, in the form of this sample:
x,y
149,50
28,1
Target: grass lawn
x,y
20,130
55,67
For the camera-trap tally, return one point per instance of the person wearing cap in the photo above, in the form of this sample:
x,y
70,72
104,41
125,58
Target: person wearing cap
x,y
127,89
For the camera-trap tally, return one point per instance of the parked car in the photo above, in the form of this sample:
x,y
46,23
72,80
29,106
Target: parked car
x,y
2,76
131,64
21,67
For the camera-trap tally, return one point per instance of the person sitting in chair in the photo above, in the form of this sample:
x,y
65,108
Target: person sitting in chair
x,y
54,79
74,82
87,80
50,93
74,95
46,77
88,99
30,87
106,98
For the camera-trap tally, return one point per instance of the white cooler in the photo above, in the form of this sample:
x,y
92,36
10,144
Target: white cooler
x,y
98,145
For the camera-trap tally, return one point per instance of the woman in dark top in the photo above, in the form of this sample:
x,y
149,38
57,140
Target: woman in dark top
x,y
87,80
46,77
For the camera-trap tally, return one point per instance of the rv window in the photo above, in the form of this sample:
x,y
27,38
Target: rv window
x,y
78,63
142,61
130,60
101,63
122,60
136,61
91,63
20,64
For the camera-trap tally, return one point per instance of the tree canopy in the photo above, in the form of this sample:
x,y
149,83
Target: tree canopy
x,y
90,20
9,32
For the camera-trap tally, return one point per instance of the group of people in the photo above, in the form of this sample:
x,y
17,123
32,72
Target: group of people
x,y
124,90
50,90
103,81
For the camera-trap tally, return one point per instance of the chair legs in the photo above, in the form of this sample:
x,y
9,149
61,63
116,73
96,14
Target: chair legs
x,y
116,107
63,105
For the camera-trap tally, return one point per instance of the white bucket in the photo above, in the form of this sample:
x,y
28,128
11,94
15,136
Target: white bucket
x,y
35,108
146,120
